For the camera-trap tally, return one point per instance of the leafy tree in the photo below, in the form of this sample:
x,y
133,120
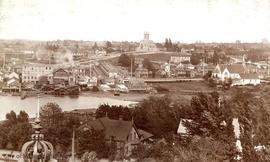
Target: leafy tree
x,y
208,118
19,134
147,64
51,114
194,59
11,117
243,106
203,150
207,115
57,127
95,47
91,140
215,58
168,44
207,76
89,157
22,117
108,47
15,130
157,115
124,60
114,112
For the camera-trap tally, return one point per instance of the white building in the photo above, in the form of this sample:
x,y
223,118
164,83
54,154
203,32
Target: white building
x,y
32,72
233,71
181,57
237,72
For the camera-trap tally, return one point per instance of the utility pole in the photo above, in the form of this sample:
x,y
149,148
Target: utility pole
x,y
73,145
268,66
121,47
90,69
203,65
4,62
130,67
38,106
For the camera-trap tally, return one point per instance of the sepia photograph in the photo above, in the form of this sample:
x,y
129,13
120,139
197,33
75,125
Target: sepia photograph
x,y
134,81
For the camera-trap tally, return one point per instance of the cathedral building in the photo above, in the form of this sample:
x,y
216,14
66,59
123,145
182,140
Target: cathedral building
x,y
146,45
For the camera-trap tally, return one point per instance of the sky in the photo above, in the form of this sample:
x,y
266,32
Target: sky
x,y
127,20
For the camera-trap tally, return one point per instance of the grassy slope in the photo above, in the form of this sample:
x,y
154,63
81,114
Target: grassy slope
x,y
161,57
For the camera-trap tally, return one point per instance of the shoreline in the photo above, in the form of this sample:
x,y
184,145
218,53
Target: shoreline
x,y
132,97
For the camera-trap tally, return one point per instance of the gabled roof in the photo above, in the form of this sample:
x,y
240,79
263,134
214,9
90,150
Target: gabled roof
x,y
236,68
13,75
249,76
144,135
13,80
232,68
61,69
118,129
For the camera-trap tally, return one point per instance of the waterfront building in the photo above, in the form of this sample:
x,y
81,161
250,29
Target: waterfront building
x,y
31,73
108,69
64,77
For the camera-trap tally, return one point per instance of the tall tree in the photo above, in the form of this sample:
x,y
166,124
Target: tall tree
x,y
147,64
95,46
114,112
195,59
22,117
91,140
157,115
11,117
51,113
124,60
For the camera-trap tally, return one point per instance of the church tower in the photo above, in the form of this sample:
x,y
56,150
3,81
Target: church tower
x,y
146,36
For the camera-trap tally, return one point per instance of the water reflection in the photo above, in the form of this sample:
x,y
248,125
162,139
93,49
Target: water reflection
x,y
8,103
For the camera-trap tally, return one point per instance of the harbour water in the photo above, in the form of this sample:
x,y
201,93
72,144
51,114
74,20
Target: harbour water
x,y
29,104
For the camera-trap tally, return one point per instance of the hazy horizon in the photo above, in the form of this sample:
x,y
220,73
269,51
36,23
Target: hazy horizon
x,y
184,21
